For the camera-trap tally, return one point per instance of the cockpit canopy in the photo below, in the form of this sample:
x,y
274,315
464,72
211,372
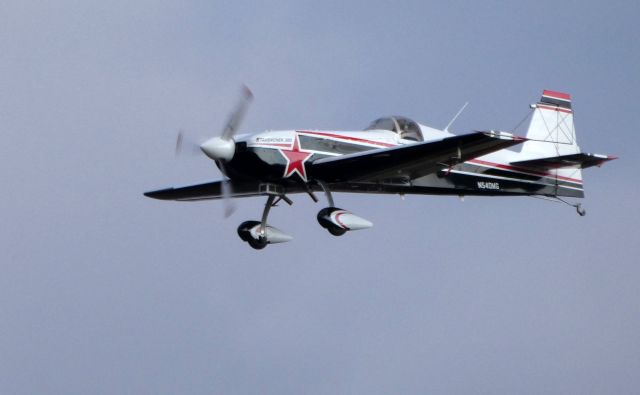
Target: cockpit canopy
x,y
405,127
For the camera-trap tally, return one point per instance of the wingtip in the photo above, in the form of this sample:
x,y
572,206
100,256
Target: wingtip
x,y
246,91
161,194
150,194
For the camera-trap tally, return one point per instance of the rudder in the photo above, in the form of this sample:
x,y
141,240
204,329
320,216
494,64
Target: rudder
x,y
551,131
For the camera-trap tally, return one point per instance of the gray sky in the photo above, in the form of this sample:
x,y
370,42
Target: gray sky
x,y
103,291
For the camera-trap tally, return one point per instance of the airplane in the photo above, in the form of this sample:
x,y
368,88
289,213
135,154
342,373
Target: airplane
x,y
393,155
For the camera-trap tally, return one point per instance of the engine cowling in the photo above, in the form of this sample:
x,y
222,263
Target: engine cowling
x,y
339,221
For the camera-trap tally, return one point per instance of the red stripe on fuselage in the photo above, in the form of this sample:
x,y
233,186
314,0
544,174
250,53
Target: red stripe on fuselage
x,y
348,138
522,170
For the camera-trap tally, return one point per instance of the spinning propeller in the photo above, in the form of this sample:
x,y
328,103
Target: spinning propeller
x,y
222,148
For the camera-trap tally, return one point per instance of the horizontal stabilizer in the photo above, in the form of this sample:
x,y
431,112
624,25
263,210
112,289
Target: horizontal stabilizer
x,y
581,160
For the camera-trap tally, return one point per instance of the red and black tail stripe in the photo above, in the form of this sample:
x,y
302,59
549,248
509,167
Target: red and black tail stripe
x,y
558,99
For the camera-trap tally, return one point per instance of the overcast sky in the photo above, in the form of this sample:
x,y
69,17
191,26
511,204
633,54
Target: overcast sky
x,y
104,291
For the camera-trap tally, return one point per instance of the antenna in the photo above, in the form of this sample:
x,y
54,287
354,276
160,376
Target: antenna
x,y
446,129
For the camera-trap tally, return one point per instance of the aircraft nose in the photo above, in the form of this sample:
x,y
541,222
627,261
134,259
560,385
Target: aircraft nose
x,y
218,148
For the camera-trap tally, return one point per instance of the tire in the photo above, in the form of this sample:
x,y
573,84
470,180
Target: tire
x,y
334,230
257,244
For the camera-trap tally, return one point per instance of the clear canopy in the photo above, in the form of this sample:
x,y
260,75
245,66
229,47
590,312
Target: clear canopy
x,y
405,127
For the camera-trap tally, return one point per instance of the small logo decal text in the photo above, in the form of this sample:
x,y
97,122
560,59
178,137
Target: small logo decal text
x,y
488,185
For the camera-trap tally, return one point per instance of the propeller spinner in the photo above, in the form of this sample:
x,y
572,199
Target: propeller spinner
x,y
222,148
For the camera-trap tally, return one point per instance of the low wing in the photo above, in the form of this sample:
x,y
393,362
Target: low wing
x,y
412,160
581,160
210,190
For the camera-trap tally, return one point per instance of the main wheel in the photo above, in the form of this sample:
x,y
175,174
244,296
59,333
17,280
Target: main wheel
x,y
244,231
257,244
324,219
334,230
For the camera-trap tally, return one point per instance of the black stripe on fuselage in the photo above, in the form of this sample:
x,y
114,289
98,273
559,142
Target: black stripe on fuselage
x,y
489,185
508,183
547,179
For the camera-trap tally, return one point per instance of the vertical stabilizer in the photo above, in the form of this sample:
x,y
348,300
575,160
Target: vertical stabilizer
x,y
552,134
551,131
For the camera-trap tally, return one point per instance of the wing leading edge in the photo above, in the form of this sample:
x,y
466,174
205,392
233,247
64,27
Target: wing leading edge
x,y
207,191
412,160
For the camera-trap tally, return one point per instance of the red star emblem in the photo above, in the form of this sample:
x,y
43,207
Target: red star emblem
x,y
295,160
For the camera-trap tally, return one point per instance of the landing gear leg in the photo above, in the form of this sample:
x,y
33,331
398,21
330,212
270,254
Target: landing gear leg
x,y
327,193
261,241
257,233
265,214
578,206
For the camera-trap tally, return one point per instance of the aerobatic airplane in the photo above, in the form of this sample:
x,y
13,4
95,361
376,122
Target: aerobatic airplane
x,y
394,155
